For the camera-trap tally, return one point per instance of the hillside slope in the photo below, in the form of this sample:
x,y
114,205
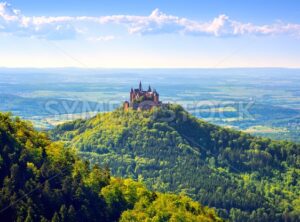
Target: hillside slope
x,y
42,181
246,178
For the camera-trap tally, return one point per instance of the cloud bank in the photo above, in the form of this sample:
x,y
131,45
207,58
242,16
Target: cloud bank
x,y
13,22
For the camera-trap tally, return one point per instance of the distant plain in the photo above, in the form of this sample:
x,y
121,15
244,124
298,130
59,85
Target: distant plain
x,y
264,102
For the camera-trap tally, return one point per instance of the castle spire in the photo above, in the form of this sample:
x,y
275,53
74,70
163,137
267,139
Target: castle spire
x,y
140,86
149,89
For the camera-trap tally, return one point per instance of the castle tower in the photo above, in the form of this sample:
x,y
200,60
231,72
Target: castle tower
x,y
131,95
140,86
155,97
126,106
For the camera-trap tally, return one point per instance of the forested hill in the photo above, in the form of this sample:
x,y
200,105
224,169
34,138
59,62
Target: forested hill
x,y
43,181
246,178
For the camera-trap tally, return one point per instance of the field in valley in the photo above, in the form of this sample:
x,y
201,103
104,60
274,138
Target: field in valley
x,y
263,102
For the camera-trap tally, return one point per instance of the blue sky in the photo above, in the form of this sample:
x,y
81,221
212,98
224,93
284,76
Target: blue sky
x,y
148,34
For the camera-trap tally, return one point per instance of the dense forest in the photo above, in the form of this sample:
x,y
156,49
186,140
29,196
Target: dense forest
x,y
43,181
245,178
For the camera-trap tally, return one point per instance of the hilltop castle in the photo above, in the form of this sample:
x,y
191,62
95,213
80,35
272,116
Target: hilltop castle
x,y
142,100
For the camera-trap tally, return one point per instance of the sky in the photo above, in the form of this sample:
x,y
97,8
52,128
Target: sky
x,y
149,33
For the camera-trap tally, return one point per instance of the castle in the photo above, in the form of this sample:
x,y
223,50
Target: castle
x,y
142,100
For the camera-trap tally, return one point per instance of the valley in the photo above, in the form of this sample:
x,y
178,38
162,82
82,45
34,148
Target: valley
x,y
244,99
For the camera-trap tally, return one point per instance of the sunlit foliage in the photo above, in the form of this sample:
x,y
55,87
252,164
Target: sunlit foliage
x,y
246,178
44,181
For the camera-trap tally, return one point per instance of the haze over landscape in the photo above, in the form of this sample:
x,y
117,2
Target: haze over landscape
x,y
149,111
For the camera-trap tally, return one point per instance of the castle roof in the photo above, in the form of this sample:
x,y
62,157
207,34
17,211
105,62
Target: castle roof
x,y
140,89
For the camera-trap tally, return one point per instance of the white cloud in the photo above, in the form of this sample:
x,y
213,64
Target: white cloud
x,y
273,29
13,22
215,27
7,13
65,27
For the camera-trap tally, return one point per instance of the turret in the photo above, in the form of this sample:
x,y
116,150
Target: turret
x,y
140,86
131,95
155,97
149,89
126,105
